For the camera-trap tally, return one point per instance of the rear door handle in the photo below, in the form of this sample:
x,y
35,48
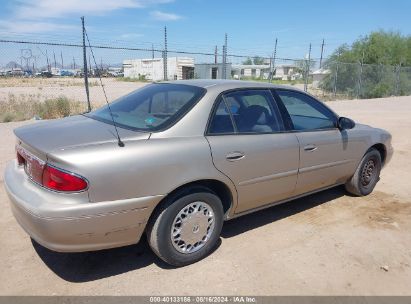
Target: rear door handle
x,y
233,156
310,148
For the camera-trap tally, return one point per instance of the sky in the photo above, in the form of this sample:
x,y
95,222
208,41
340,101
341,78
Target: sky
x,y
200,25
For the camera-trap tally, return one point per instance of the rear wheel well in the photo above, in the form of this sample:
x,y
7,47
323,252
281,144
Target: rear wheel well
x,y
382,150
217,187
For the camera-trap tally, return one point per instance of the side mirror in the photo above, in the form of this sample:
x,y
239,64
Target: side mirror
x,y
345,123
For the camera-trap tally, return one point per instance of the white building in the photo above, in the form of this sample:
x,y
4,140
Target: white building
x,y
319,75
152,69
211,70
55,71
250,71
285,72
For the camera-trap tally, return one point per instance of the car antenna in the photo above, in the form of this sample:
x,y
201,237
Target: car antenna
x,y
119,142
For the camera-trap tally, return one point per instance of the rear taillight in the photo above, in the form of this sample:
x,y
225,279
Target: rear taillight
x,y
48,176
56,179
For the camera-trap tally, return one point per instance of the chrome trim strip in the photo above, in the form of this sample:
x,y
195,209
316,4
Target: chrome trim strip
x,y
327,165
268,177
24,153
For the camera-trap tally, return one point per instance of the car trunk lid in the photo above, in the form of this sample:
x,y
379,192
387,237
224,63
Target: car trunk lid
x,y
37,142
45,137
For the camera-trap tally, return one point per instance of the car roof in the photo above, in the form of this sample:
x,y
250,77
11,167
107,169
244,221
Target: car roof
x,y
223,84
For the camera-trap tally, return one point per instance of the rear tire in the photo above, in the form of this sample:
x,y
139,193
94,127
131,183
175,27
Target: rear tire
x,y
186,227
367,174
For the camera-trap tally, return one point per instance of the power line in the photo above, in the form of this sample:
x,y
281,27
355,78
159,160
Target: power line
x,y
150,49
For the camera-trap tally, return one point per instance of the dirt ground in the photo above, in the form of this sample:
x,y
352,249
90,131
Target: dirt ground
x,y
39,89
325,244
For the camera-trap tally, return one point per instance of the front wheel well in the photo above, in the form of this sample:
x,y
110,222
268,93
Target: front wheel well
x,y
382,150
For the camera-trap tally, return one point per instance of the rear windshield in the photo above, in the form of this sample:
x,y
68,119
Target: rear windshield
x,y
151,108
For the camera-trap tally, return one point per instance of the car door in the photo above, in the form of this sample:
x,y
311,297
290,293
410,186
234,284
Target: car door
x,y
249,145
327,155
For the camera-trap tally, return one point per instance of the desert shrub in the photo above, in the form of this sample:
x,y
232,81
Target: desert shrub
x,y
140,78
54,108
57,108
8,117
16,109
379,90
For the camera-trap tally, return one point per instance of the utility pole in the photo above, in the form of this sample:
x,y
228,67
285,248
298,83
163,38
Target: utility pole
x,y
360,77
152,51
55,62
62,62
225,58
85,64
336,75
48,64
307,72
165,61
322,51
273,61
74,63
398,81
270,69
215,55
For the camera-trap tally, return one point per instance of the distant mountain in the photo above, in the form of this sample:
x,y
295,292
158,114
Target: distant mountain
x,y
12,64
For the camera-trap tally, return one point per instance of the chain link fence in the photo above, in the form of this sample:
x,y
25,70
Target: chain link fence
x,y
356,80
48,79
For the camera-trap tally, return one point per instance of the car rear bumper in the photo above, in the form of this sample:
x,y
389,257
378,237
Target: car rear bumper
x,y
69,223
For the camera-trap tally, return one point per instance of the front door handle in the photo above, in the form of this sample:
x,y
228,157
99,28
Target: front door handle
x,y
233,156
310,148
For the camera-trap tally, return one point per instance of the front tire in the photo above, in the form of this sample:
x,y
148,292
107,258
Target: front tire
x,y
186,227
367,174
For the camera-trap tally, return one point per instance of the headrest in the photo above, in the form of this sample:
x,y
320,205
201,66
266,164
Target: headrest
x,y
257,115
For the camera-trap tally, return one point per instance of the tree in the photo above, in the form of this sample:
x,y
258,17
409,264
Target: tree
x,y
257,60
248,61
374,59
301,65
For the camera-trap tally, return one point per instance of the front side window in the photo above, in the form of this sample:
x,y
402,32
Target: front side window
x,y
305,112
154,107
247,112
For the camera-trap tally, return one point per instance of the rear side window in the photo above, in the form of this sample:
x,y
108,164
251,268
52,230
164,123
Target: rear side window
x,y
151,108
246,112
305,112
221,121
